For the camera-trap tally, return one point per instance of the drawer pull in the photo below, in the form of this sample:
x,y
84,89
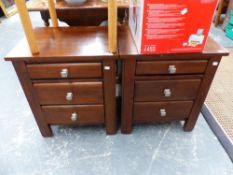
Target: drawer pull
x,y
167,92
215,63
64,73
107,67
74,117
172,69
163,113
69,96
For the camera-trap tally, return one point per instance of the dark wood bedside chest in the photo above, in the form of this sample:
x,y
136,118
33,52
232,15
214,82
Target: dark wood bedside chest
x,y
72,80
165,87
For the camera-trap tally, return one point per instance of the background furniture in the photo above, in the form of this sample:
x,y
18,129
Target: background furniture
x,y
91,13
228,14
229,28
222,6
8,7
68,85
165,87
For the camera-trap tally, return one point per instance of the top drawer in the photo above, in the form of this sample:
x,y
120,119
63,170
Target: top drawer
x,y
170,67
67,70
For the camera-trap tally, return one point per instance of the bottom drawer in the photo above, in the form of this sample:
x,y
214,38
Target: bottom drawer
x,y
161,111
74,114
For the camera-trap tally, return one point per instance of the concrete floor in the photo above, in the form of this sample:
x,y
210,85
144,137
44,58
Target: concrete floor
x,y
150,150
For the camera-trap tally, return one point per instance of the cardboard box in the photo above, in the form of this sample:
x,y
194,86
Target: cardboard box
x,y
170,26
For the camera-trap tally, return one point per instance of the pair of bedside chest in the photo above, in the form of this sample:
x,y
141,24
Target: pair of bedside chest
x,y
73,80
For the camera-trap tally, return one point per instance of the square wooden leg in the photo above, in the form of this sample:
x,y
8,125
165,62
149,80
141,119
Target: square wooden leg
x,y
109,67
26,83
127,95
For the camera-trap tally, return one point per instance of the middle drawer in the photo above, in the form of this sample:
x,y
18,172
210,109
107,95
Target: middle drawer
x,y
69,93
163,90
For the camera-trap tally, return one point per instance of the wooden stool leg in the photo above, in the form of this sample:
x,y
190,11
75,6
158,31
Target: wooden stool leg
x,y
110,95
53,13
112,26
27,25
25,81
128,71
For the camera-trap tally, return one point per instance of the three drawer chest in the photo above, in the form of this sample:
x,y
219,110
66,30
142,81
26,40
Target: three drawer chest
x,y
165,87
71,81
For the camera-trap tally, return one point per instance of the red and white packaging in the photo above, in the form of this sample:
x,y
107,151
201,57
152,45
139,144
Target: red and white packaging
x,y
170,26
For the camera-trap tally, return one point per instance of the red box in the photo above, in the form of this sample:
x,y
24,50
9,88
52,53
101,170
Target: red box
x,y
170,26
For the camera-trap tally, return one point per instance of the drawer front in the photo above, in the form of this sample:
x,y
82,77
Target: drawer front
x,y
73,114
163,90
161,111
69,93
70,70
170,67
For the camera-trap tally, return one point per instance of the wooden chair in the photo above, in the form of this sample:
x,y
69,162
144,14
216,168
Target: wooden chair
x,y
28,29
